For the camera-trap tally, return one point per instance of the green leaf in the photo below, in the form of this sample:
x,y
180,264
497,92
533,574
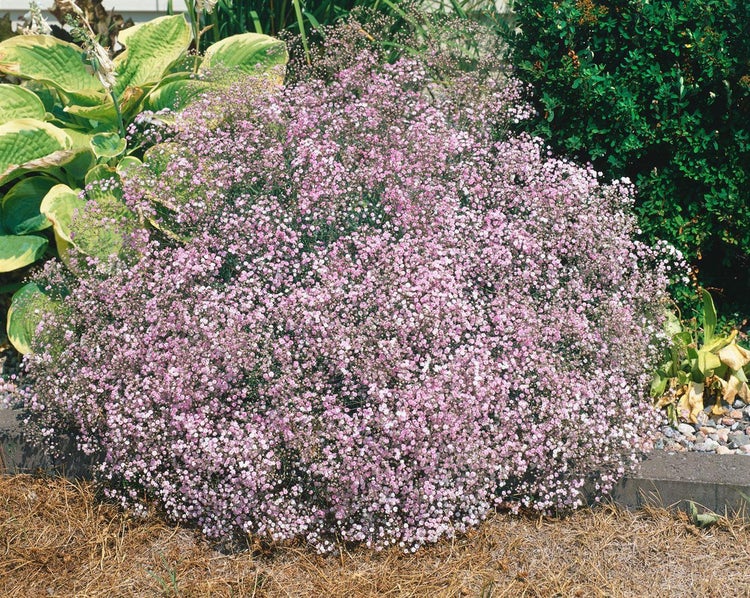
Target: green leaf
x,y
99,231
126,164
60,205
19,251
19,102
658,386
249,53
20,206
707,362
673,325
30,144
709,317
176,94
28,308
49,60
701,519
151,48
108,145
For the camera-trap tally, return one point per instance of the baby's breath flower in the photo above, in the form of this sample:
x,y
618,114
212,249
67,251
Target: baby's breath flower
x,y
380,322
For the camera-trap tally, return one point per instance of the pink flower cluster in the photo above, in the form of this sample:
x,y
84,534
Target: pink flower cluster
x,y
384,318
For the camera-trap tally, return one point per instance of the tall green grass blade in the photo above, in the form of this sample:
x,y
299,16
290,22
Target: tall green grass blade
x,y
303,36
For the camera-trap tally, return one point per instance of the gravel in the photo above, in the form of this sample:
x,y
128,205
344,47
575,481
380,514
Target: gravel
x,y
728,434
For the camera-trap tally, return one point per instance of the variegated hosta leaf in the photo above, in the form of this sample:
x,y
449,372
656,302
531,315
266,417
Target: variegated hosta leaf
x,y
30,144
49,60
150,49
249,53
19,251
176,93
20,206
19,102
27,309
60,206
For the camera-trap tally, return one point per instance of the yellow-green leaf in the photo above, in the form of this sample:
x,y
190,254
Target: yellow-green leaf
x,y
28,308
150,49
20,206
27,143
249,53
49,60
19,102
19,251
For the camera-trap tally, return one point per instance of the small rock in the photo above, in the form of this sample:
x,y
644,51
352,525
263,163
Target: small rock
x,y
737,440
702,418
746,411
668,432
738,404
727,421
723,450
686,429
745,449
674,447
722,435
707,430
736,414
711,423
706,446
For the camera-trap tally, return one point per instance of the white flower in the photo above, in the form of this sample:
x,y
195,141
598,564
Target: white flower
x,y
37,23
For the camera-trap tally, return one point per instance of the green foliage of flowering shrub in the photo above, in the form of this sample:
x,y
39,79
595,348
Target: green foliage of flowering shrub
x,y
658,92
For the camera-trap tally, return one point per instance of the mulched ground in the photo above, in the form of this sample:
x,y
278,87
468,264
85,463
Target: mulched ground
x,y
56,539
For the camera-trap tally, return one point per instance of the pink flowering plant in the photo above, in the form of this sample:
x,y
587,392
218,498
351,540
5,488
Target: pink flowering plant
x,y
365,314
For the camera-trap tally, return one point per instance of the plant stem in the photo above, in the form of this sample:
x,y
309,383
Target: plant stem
x,y
120,122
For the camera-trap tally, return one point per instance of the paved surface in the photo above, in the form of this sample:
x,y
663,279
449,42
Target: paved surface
x,y
18,456
715,482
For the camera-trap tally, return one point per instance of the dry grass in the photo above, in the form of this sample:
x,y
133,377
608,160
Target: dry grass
x,y
57,540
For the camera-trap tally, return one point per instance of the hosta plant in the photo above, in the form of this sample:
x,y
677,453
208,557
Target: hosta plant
x,y
701,368
65,125
371,321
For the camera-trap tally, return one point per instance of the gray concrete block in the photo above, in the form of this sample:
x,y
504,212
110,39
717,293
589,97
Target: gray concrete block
x,y
17,455
718,483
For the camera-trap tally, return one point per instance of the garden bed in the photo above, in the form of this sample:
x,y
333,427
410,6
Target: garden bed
x,y
57,540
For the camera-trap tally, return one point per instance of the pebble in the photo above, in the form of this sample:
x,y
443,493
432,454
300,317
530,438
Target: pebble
x,y
738,440
686,429
724,435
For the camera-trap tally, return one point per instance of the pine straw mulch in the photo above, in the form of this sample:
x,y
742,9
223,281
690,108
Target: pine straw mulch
x,y
57,539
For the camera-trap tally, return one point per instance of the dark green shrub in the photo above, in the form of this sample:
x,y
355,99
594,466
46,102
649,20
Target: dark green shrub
x,y
659,92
